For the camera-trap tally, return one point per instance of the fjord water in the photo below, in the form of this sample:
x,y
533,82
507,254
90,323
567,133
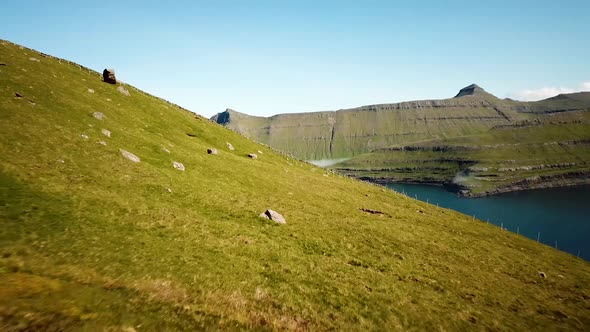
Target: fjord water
x,y
561,215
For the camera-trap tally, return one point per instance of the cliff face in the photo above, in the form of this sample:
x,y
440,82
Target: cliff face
x,y
350,132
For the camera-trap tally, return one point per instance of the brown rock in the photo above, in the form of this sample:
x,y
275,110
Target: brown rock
x,y
108,75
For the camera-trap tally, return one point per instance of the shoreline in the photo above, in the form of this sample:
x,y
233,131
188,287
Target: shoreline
x,y
464,192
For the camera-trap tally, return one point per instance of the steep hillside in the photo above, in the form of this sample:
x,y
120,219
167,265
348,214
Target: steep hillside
x,y
91,240
522,145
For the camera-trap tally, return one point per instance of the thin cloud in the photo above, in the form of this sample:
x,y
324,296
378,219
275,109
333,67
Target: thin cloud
x,y
548,92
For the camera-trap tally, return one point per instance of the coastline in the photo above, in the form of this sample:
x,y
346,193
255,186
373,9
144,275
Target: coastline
x,y
523,185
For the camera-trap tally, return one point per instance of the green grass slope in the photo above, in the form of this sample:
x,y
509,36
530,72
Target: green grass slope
x,y
90,240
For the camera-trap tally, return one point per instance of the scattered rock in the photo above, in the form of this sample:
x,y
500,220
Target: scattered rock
x,y
178,166
274,216
128,329
105,132
34,59
212,151
84,136
102,143
229,146
123,90
253,156
108,75
130,156
91,90
542,275
376,212
99,115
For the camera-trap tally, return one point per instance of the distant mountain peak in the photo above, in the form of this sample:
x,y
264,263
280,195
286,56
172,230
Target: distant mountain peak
x,y
226,116
470,90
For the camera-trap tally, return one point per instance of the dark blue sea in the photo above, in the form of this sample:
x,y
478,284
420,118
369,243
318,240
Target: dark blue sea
x,y
559,217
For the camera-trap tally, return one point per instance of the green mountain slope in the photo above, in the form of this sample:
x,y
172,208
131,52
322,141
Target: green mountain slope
x,y
521,145
90,240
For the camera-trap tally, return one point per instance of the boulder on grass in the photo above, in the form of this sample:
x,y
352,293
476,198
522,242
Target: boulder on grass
x,y
274,216
108,75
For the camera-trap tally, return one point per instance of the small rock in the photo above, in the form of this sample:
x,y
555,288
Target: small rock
x,y
212,151
91,90
34,59
105,132
99,115
60,161
561,276
178,166
263,216
275,216
102,143
165,150
84,136
229,146
253,156
169,190
123,90
18,95
108,99
260,152
130,156
542,275
108,75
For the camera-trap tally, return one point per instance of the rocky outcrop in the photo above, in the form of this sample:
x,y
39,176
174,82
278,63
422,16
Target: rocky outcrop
x,y
470,90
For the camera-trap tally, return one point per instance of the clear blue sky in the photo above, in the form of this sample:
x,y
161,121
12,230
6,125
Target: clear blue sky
x,y
268,57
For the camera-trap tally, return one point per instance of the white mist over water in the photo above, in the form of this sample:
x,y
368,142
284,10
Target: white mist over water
x,y
327,162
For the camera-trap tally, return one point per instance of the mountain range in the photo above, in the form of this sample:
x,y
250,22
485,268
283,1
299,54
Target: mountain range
x,y
474,143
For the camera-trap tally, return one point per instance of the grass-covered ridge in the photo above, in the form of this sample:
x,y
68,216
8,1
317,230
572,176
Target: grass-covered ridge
x,y
90,240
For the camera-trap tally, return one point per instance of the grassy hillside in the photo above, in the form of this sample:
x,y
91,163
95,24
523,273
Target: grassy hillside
x,y
90,240
541,143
